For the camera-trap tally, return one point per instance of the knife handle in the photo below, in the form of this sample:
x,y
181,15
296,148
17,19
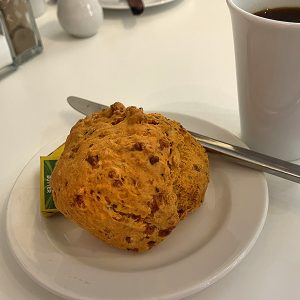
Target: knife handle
x,y
136,6
252,159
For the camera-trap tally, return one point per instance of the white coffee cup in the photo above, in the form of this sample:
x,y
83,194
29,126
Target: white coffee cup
x,y
267,56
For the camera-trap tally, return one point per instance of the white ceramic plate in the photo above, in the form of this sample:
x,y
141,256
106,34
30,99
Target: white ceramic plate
x,y
122,4
203,248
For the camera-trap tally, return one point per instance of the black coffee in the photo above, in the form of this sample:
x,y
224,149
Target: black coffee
x,y
286,14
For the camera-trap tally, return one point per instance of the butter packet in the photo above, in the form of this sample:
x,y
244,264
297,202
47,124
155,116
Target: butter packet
x,y
47,164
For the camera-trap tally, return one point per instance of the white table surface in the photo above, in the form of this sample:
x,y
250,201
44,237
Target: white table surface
x,y
177,57
5,57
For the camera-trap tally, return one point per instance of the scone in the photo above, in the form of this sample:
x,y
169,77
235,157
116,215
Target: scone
x,y
129,177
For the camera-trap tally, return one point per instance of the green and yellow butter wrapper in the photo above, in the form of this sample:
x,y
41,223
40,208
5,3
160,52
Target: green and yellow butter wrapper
x,y
47,164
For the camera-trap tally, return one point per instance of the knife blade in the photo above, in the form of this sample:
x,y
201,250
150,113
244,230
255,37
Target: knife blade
x,y
84,106
236,154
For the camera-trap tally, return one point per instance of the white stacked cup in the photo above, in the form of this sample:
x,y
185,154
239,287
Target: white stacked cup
x,y
268,77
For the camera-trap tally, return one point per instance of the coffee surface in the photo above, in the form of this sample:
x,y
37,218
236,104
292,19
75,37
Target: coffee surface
x,y
286,14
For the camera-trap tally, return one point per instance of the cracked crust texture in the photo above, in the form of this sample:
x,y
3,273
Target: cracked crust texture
x,y
129,177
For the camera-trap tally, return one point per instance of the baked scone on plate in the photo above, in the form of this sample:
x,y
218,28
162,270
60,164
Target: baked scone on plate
x,y
129,177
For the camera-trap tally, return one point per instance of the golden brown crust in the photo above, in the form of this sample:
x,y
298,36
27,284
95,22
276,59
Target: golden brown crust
x,y
129,177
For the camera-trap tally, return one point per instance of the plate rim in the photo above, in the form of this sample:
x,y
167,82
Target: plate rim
x,y
188,290
124,6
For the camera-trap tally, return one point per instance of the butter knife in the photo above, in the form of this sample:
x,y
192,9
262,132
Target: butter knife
x,y
236,154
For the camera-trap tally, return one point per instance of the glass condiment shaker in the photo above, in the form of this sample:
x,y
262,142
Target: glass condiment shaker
x,y
19,27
